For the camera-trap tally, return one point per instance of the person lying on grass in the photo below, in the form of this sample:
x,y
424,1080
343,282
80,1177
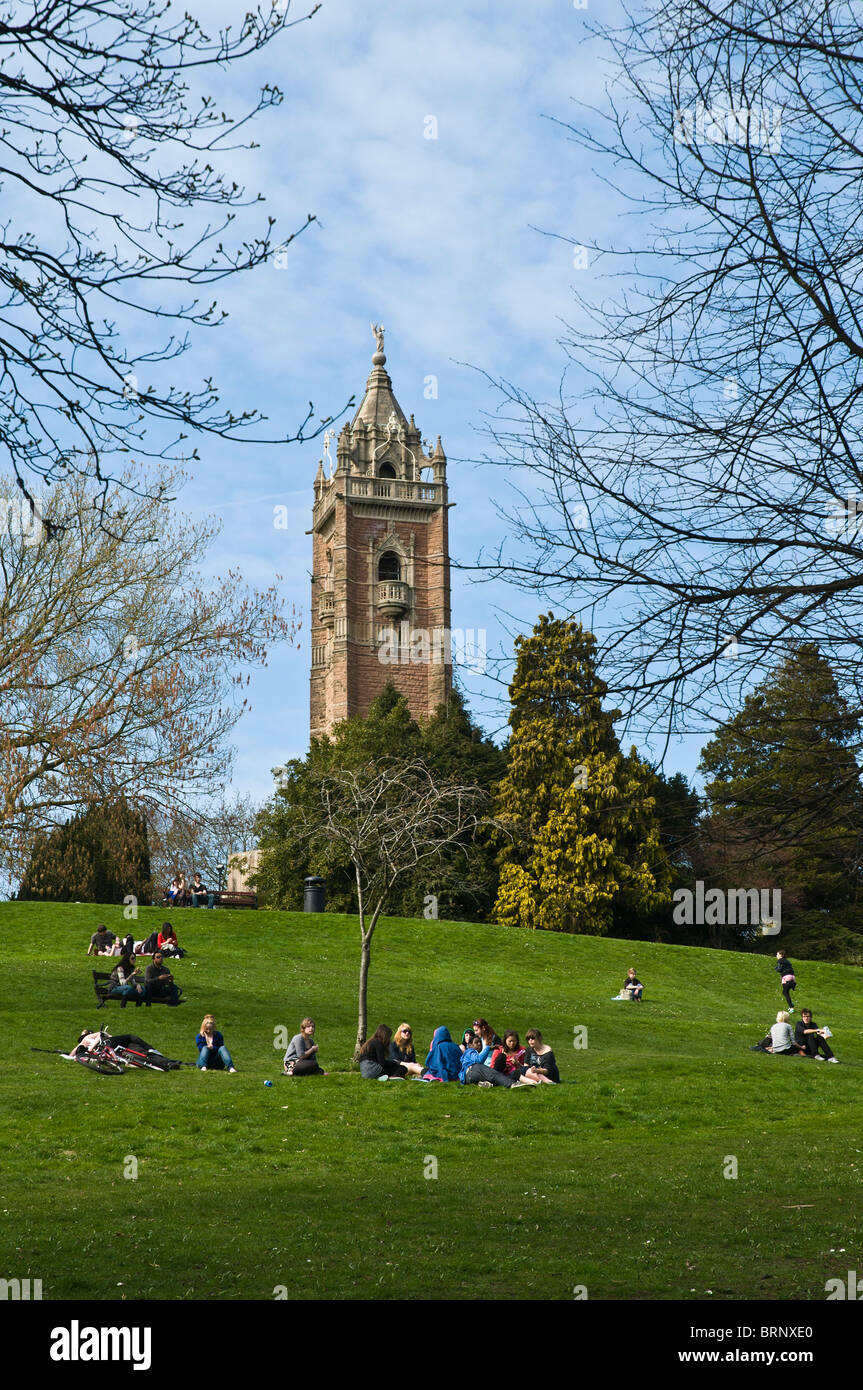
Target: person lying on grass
x,y
812,1039
301,1058
213,1055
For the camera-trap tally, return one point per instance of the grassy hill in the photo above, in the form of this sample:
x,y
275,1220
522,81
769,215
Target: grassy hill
x,y
613,1180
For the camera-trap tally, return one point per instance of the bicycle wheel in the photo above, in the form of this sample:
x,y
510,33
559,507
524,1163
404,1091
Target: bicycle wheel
x,y
102,1065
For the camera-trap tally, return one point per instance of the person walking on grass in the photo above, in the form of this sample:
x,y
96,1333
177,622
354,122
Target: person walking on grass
x,y
301,1058
785,970
213,1055
812,1039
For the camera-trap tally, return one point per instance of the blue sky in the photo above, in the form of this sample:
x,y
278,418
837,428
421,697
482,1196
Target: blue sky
x,y
437,239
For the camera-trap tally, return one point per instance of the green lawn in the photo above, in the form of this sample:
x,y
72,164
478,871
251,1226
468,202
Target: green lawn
x,y
613,1180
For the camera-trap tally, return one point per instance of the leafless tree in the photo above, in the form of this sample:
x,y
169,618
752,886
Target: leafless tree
x,y
121,674
387,818
116,218
695,490
219,829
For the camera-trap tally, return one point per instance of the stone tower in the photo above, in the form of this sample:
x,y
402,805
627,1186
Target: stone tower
x,y
380,578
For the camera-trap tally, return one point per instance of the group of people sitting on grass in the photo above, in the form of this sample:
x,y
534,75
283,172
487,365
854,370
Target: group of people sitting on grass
x,y
104,943
482,1058
807,1038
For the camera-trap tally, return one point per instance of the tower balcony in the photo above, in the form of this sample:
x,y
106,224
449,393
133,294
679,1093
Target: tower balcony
x,y
327,608
393,598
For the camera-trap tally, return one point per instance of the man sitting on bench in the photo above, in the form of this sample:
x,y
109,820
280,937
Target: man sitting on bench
x,y
161,982
199,890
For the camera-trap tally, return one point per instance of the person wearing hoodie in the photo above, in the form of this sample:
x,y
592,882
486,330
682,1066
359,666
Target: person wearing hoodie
x,y
443,1062
474,1070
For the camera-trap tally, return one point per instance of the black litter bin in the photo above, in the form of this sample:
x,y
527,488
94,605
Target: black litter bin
x,y
314,894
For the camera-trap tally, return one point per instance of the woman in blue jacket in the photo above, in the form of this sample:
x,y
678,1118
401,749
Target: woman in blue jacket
x,y
212,1053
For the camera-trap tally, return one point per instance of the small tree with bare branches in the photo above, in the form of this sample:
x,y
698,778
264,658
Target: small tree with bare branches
x,y
387,817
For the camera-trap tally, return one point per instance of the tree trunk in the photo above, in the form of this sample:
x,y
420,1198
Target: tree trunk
x,y
362,1011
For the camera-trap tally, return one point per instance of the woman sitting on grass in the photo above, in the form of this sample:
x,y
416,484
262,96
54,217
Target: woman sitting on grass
x,y
213,1055
375,1063
301,1058
444,1059
782,1039
467,1038
401,1049
487,1033
167,942
539,1058
513,1054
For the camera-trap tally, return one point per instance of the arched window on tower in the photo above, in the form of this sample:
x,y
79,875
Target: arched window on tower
x,y
386,470
389,566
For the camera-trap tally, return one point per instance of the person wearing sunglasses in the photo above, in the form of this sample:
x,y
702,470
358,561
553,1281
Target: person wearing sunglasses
x,y
401,1048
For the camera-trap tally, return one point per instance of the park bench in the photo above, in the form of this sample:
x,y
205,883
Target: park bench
x,y
241,899
102,986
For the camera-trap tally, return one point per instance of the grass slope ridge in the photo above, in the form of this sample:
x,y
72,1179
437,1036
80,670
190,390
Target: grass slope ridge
x,y
613,1181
